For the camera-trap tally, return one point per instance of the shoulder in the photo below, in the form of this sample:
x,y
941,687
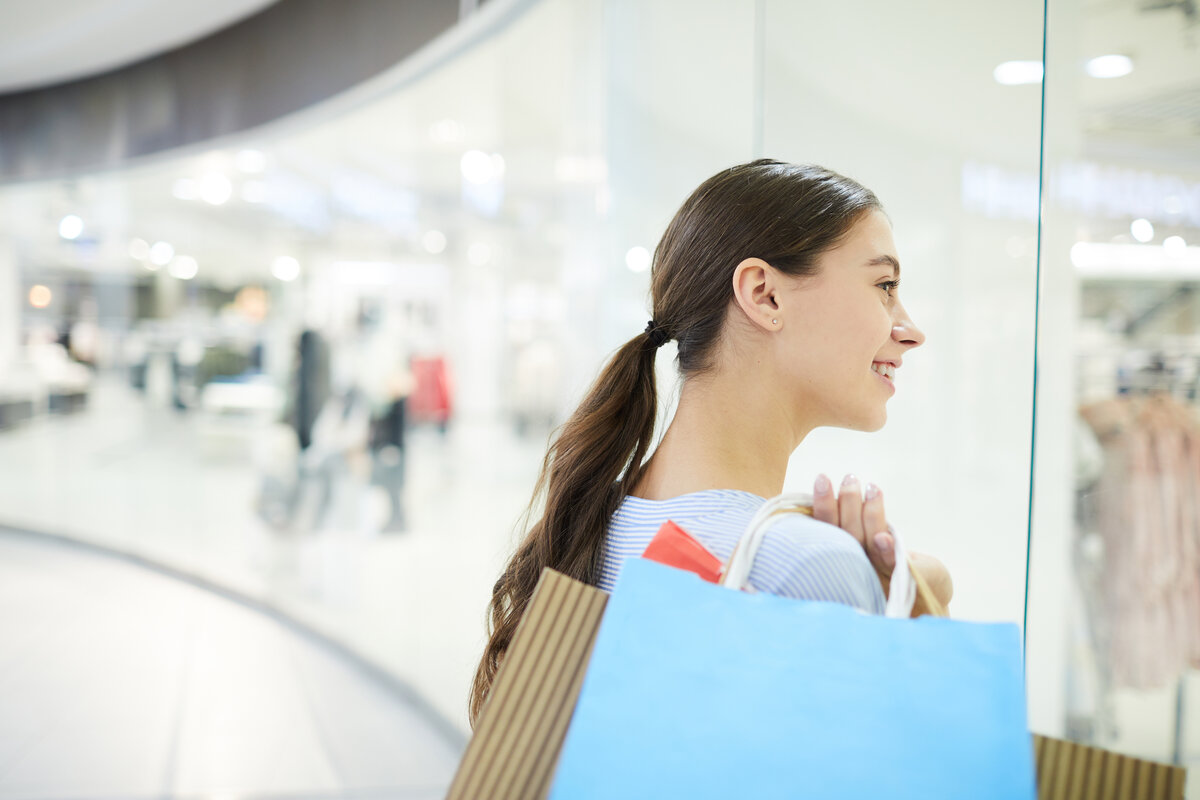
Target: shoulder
x,y
805,558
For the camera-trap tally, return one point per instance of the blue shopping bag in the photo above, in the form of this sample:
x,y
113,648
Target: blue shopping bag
x,y
694,690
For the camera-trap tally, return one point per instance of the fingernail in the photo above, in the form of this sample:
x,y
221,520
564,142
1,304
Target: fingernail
x,y
872,491
850,482
883,543
822,486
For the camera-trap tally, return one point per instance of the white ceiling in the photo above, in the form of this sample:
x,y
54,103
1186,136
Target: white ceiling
x,y
42,44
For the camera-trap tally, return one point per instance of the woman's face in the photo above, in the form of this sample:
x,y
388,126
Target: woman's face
x,y
841,326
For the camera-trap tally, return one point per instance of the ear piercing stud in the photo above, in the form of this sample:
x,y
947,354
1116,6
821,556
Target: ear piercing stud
x,y
774,322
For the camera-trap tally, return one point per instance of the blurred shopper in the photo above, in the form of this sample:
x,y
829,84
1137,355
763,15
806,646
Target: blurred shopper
x,y
310,384
385,376
778,282
432,399
334,467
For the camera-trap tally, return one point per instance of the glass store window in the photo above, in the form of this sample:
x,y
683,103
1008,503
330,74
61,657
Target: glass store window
x,y
1114,596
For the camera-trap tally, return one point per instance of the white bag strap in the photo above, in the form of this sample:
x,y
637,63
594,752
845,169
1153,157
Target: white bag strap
x,y
903,591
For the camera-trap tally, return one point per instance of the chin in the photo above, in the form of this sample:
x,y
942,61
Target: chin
x,y
870,426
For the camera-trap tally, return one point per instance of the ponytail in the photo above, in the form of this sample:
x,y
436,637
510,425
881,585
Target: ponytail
x,y
593,462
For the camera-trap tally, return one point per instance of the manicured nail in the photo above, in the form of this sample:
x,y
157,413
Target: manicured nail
x,y
822,486
850,482
872,491
883,543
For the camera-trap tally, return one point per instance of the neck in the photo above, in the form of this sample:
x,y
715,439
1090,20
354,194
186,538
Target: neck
x,y
728,432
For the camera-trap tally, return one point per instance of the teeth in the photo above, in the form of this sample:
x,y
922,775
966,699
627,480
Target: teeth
x,y
887,370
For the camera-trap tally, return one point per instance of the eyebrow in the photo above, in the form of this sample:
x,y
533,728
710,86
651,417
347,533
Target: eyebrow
x,y
884,260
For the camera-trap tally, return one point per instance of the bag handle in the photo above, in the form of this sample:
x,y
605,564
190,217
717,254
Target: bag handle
x,y
907,586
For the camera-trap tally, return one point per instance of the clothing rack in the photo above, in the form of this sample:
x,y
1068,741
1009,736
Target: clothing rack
x,y
1174,370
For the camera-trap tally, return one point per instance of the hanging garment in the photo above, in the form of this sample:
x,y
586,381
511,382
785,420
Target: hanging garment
x,y
1148,516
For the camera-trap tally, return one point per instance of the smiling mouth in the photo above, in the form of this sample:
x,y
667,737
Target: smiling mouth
x,y
886,370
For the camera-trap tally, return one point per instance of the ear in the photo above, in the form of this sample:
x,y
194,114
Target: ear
x,y
755,289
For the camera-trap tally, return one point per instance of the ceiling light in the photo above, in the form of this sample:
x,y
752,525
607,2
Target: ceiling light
x,y
185,189
70,226
1016,73
638,259
161,254
1175,245
139,249
1114,66
250,161
285,268
40,296
480,167
215,188
434,241
1142,230
184,268
1147,262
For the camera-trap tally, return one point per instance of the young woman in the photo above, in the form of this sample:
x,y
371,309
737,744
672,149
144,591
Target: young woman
x,y
778,282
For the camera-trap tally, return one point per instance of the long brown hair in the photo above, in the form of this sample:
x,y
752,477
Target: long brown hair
x,y
785,214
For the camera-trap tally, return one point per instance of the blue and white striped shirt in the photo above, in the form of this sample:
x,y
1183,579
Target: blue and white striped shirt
x,y
800,557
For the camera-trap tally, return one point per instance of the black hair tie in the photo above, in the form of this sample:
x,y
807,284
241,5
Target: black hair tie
x,y
658,336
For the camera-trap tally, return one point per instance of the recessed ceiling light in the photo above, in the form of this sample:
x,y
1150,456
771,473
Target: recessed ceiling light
x,y
215,188
70,226
1016,73
1142,230
285,268
480,167
184,267
1112,66
161,253
638,259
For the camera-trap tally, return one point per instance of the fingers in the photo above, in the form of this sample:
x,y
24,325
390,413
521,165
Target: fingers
x,y
825,507
861,514
850,509
879,542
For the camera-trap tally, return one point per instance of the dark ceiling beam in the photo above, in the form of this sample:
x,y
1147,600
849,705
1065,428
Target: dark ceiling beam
x,y
289,56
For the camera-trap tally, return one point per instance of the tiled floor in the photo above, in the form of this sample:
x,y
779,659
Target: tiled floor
x,y
117,681
177,490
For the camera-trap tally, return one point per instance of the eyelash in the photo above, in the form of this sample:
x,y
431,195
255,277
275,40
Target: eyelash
x,y
890,286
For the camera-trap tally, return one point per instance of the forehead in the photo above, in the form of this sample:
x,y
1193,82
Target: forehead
x,y
872,232
868,242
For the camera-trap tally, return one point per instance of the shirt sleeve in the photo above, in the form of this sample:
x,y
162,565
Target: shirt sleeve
x,y
808,559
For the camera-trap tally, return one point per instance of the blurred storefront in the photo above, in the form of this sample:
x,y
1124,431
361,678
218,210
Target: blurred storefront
x,y
318,362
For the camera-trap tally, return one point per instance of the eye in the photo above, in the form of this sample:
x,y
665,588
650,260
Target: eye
x,y
889,287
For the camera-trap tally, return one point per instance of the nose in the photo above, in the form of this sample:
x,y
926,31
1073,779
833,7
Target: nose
x,y
904,330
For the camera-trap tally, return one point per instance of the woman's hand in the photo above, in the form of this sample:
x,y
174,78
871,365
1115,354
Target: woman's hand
x,y
859,511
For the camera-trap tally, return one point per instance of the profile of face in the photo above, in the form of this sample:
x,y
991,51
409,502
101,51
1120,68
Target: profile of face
x,y
843,333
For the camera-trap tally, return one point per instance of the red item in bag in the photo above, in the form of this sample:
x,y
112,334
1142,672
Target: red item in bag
x,y
675,547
